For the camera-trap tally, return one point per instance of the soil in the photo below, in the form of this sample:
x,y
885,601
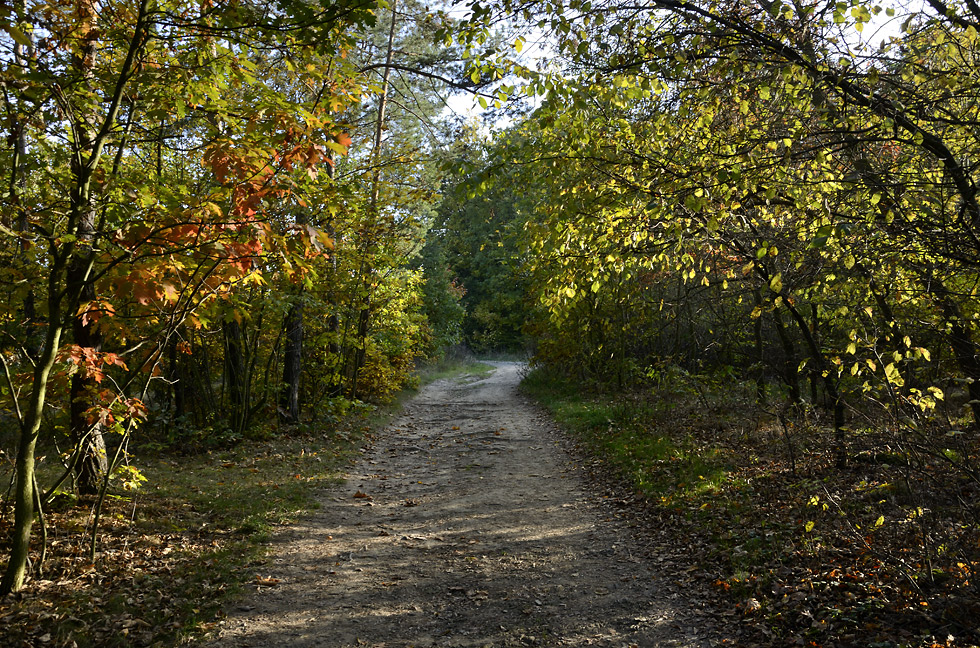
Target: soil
x,y
468,524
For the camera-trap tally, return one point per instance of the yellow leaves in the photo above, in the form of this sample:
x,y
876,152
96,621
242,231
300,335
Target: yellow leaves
x,y
210,209
893,375
776,283
266,581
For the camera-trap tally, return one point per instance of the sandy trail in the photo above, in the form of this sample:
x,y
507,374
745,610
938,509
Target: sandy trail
x,y
477,531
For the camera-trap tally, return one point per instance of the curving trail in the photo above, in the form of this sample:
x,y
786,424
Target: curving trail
x,y
477,531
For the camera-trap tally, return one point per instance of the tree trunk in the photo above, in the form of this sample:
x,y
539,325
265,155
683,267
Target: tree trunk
x,y
24,495
791,375
367,269
235,374
85,434
291,365
760,378
335,365
178,379
815,329
829,385
363,320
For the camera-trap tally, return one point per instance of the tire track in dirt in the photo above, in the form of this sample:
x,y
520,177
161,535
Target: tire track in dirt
x,y
476,531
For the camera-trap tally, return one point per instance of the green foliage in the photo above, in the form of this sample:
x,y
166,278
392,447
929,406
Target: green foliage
x,y
480,228
441,297
764,210
623,430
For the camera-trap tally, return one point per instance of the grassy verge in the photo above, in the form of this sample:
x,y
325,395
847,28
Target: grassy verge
x,y
171,554
638,438
451,368
794,550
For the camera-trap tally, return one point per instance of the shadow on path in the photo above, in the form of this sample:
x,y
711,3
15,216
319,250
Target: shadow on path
x,y
474,530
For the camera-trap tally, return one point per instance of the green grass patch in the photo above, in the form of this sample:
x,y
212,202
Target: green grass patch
x,y
452,368
635,436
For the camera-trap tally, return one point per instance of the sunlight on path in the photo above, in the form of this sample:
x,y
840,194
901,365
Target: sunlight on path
x,y
465,526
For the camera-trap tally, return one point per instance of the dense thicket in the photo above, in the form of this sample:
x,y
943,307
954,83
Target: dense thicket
x,y
207,215
764,191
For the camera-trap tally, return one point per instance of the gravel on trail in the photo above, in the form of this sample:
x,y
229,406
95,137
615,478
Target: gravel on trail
x,y
467,524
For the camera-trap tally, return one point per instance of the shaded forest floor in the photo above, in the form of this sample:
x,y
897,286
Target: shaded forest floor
x,y
883,552
169,553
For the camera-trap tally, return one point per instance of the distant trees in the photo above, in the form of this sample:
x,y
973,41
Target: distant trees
x,y
480,227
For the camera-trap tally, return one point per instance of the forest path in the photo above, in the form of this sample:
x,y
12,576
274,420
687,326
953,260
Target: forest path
x,y
476,530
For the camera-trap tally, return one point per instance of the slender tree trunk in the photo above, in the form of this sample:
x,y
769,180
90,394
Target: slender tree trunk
x,y
235,373
815,328
760,378
178,376
335,362
88,146
360,353
791,375
85,434
367,269
24,495
829,384
292,363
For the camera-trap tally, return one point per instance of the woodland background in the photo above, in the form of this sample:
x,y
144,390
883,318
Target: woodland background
x,y
751,229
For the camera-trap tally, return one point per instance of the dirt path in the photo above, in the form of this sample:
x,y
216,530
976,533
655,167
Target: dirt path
x,y
476,531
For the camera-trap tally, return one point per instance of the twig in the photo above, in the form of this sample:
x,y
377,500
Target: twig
x,y
43,529
13,391
102,492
